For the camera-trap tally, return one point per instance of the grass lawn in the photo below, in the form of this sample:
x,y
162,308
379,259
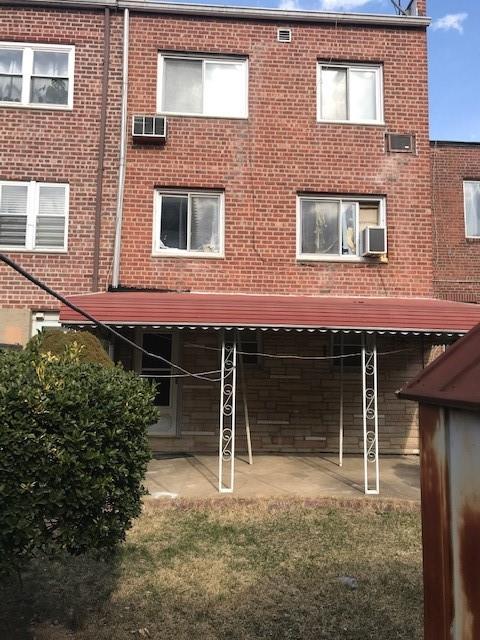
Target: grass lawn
x,y
235,570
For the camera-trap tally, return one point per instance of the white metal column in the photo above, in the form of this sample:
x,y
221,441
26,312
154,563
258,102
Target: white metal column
x,y
340,417
244,399
370,414
226,452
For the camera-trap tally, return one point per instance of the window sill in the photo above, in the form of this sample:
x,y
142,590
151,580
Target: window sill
x,y
472,239
188,254
33,251
41,107
342,259
200,115
356,123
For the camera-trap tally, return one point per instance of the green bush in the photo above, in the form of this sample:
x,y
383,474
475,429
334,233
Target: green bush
x,y
57,341
73,454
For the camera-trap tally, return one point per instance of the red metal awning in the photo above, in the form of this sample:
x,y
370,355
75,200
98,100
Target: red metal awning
x,y
452,379
148,308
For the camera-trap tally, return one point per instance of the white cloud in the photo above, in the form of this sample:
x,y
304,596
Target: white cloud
x,y
451,21
289,5
342,5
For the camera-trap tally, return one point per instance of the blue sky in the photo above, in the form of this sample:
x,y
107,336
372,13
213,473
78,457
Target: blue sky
x,y
454,46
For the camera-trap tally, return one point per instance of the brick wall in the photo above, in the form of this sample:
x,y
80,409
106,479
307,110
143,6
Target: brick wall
x,y
456,258
294,404
263,162
62,146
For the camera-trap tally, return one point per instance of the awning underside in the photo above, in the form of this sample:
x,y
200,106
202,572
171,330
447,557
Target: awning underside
x,y
297,313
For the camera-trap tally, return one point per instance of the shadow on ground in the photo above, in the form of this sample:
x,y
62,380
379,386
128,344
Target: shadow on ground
x,y
408,474
55,596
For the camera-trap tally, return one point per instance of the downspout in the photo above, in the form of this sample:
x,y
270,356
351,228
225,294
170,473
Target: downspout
x,y
122,164
101,151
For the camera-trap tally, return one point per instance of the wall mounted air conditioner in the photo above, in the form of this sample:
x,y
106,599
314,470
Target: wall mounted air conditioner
x,y
374,241
400,143
149,129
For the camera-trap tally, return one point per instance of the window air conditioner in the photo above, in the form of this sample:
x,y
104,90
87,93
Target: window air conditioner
x,y
374,241
149,129
400,143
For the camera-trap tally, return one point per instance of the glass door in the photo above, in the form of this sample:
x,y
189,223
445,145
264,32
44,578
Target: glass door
x,y
153,369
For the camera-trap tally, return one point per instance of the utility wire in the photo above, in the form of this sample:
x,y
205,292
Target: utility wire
x,y
8,261
296,357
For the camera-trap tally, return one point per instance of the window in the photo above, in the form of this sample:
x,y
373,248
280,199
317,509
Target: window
x,y
36,75
44,320
189,224
195,86
350,93
348,345
471,192
331,228
33,216
250,346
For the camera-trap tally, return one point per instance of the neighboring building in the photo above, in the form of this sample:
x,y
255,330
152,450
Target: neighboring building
x,y
456,203
287,211
57,133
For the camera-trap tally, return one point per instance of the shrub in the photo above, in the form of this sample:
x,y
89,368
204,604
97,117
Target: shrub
x,y
73,454
56,342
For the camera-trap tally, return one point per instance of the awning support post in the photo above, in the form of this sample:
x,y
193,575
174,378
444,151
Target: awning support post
x,y
226,452
245,404
340,426
370,414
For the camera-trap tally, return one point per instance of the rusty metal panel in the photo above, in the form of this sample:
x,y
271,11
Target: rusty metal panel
x,y
235,310
464,463
438,602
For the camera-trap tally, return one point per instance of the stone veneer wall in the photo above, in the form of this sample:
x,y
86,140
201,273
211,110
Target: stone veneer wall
x,y
294,404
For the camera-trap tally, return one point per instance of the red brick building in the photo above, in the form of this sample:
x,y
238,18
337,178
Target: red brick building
x,y
60,135
456,203
294,179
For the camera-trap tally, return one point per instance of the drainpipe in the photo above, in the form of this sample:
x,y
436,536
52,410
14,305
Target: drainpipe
x,y
122,165
101,151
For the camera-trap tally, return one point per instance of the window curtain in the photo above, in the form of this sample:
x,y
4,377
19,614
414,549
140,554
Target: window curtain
x,y
204,224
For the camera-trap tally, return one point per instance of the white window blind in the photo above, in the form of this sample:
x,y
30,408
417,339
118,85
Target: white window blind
x,y
13,214
36,75
33,216
471,190
216,87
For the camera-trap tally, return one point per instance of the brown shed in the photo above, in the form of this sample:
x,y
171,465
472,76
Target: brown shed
x,y
449,395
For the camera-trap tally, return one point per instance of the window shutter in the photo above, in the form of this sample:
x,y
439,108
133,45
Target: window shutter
x,y
50,226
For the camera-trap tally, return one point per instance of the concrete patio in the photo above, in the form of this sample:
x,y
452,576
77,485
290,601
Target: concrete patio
x,y
195,476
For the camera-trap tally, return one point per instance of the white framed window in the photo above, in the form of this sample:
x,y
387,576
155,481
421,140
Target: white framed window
x,y
350,93
189,223
202,86
471,194
33,216
44,320
330,228
36,75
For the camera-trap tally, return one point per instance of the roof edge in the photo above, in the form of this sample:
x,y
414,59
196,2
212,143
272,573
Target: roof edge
x,y
454,143
255,13
245,13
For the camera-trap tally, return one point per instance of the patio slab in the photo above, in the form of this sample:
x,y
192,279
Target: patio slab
x,y
195,476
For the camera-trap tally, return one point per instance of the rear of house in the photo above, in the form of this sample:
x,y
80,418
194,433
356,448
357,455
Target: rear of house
x,y
295,172
253,187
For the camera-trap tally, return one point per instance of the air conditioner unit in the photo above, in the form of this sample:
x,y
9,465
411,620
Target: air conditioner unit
x,y
400,143
149,129
374,241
